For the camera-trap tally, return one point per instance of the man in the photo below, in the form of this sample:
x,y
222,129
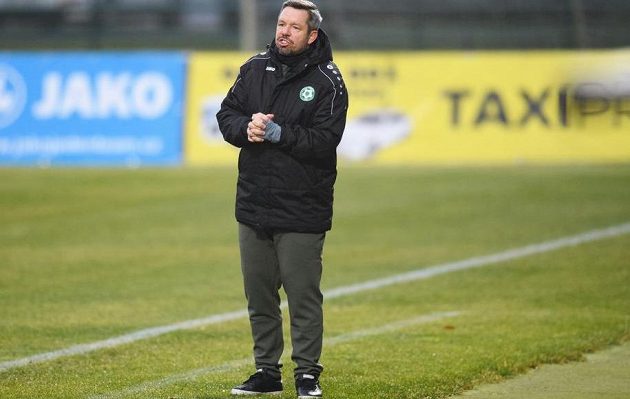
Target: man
x,y
287,112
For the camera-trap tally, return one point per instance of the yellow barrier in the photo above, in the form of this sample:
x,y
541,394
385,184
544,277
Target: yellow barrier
x,y
452,107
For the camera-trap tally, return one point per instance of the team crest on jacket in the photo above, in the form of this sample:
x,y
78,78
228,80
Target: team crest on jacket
x,y
307,93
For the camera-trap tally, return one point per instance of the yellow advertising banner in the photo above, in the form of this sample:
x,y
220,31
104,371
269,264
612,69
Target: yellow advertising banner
x,y
452,107
210,76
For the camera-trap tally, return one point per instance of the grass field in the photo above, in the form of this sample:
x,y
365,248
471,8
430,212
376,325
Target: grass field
x,y
87,255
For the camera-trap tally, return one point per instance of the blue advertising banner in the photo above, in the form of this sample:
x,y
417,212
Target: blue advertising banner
x,y
91,109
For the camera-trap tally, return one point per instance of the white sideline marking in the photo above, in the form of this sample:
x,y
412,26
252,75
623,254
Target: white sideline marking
x,y
123,339
481,261
516,253
339,339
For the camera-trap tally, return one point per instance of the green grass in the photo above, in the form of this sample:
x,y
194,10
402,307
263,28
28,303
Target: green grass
x,y
88,254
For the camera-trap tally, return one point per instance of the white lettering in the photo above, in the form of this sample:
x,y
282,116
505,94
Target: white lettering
x,y
152,95
51,89
104,95
113,94
78,97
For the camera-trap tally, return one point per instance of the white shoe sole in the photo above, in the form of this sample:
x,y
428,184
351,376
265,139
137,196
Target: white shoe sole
x,y
241,392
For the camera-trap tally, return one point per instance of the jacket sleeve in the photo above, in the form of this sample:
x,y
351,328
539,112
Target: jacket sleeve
x,y
320,139
232,117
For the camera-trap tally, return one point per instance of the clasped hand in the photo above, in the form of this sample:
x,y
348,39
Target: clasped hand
x,y
256,127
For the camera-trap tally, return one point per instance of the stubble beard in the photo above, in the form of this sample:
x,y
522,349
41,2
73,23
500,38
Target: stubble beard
x,y
287,51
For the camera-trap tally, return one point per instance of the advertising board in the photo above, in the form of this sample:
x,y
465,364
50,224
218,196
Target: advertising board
x,y
91,108
451,107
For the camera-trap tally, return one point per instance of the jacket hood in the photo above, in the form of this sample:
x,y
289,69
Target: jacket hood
x,y
319,51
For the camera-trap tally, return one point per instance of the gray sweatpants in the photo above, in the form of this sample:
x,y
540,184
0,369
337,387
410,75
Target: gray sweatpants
x,y
270,260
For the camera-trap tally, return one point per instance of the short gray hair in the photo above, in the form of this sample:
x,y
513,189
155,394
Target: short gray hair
x,y
314,16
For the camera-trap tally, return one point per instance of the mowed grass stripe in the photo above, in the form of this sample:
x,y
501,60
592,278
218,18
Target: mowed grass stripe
x,y
420,274
235,364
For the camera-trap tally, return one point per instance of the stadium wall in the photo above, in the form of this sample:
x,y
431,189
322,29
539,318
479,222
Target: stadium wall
x,y
149,108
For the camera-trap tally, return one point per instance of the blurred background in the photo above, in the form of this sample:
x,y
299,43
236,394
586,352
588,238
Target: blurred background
x,y
138,82
352,25
474,126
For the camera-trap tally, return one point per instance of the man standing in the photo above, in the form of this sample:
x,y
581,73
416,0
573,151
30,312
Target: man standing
x,y
287,112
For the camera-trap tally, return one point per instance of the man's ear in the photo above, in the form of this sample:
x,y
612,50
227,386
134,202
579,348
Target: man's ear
x,y
312,36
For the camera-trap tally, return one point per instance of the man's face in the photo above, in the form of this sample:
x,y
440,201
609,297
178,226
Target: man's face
x,y
293,35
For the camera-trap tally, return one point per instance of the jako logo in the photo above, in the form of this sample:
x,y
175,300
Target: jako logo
x,y
105,95
12,95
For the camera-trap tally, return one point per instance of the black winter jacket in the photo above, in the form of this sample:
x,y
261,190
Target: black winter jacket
x,y
287,186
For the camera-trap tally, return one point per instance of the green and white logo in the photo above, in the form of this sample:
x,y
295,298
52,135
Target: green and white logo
x,y
307,93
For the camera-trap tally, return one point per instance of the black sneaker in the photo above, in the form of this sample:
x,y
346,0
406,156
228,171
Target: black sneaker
x,y
261,382
307,386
